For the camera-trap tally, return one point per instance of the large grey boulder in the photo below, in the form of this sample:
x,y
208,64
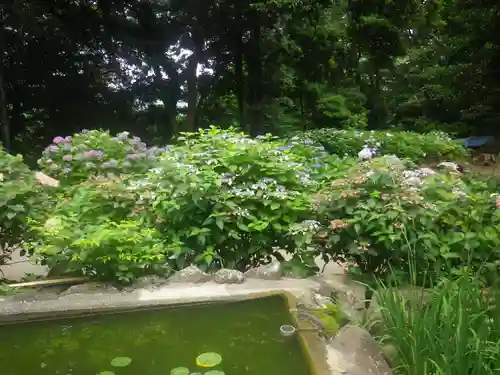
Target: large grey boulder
x,y
354,352
191,274
227,276
271,271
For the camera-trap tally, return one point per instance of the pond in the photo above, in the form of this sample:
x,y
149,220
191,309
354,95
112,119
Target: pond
x,y
162,341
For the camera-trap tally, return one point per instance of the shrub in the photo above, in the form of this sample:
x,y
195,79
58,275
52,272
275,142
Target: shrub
x,y
97,229
454,332
385,216
75,158
232,200
20,195
417,147
216,199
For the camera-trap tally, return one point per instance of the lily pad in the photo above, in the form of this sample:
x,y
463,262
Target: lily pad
x,y
214,372
209,359
179,371
106,373
121,361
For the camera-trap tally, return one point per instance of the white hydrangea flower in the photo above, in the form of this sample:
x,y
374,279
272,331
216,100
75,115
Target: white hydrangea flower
x,y
367,153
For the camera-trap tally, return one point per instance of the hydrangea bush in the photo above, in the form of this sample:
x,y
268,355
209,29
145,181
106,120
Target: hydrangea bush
x,y
73,159
387,215
217,198
232,199
97,229
417,147
20,196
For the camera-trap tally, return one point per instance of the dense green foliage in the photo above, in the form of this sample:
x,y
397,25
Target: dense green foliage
x,y
20,197
385,217
216,198
429,147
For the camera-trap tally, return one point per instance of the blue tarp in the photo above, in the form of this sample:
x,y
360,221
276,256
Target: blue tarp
x,y
474,142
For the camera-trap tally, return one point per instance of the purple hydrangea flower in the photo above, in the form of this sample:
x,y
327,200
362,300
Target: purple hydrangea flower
x,y
283,148
133,156
58,140
67,157
93,154
110,164
68,139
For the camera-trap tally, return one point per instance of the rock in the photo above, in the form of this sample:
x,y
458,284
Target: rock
x,y
271,271
147,282
390,353
43,179
321,300
227,276
191,274
344,295
453,167
354,352
89,288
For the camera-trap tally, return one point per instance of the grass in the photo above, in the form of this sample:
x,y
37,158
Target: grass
x,y
454,332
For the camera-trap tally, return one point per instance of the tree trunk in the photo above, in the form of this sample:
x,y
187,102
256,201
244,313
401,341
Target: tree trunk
x,y
169,94
255,84
192,92
4,117
240,82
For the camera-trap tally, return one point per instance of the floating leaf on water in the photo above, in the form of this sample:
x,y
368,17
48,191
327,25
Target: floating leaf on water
x,y
196,373
179,371
106,373
214,372
121,361
208,360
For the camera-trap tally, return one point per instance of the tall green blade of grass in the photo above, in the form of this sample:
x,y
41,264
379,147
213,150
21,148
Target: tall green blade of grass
x,y
455,331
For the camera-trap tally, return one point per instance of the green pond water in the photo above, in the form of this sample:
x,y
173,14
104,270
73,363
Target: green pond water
x,y
245,334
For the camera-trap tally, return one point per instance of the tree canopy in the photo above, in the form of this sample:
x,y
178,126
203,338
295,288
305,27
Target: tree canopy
x,y
159,67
